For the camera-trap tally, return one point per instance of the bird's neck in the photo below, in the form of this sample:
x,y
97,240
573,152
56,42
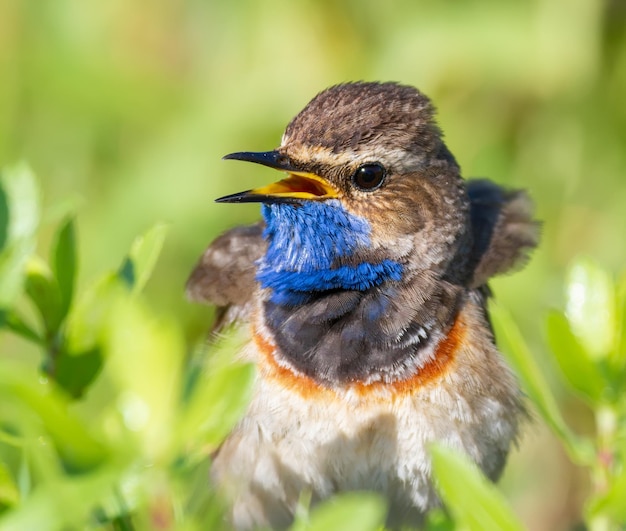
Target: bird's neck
x,y
312,249
336,316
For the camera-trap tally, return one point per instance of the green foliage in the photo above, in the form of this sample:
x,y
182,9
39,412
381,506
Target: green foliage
x,y
134,449
225,387
138,265
587,344
591,308
353,511
581,373
19,214
476,504
64,262
535,384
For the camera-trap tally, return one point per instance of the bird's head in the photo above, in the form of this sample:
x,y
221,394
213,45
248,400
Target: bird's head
x,y
371,194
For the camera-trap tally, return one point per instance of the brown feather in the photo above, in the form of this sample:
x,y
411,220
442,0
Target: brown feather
x,y
225,274
504,229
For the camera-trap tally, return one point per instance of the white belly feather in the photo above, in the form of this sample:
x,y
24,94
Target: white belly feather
x,y
292,441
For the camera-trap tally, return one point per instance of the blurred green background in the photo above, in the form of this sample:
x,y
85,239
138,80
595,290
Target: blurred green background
x,y
124,109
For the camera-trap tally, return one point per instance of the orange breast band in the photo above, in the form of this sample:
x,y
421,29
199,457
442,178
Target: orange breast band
x,y
308,388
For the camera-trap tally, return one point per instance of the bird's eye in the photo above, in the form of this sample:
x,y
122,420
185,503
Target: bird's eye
x,y
369,177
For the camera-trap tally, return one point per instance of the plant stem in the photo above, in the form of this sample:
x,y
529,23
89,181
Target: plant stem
x,y
603,473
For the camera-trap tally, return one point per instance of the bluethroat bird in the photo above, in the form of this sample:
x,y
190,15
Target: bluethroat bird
x,y
364,293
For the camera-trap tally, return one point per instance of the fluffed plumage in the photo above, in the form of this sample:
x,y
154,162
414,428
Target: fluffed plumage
x,y
364,293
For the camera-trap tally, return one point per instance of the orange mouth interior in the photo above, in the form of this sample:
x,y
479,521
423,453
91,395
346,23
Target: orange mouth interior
x,y
302,186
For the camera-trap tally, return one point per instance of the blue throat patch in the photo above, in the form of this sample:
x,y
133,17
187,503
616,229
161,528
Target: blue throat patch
x,y
305,240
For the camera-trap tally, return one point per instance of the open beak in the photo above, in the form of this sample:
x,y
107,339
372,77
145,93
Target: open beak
x,y
297,186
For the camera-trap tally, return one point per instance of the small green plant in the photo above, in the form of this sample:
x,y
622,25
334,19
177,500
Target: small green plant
x,y
588,341
115,427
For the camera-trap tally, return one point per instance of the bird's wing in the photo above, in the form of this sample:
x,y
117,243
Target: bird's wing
x,y
225,274
504,229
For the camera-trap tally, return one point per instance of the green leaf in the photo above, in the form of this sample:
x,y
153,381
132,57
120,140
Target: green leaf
x,y
534,383
23,194
219,402
138,265
64,262
86,325
74,373
352,511
12,262
54,505
43,291
4,216
618,356
580,372
591,307
24,477
79,449
14,322
475,503
144,356
9,493
220,394
611,503
19,216
438,520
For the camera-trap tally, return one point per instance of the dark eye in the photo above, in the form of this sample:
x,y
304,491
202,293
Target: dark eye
x,y
369,177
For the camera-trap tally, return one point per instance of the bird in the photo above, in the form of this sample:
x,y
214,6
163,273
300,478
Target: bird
x,y
362,293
